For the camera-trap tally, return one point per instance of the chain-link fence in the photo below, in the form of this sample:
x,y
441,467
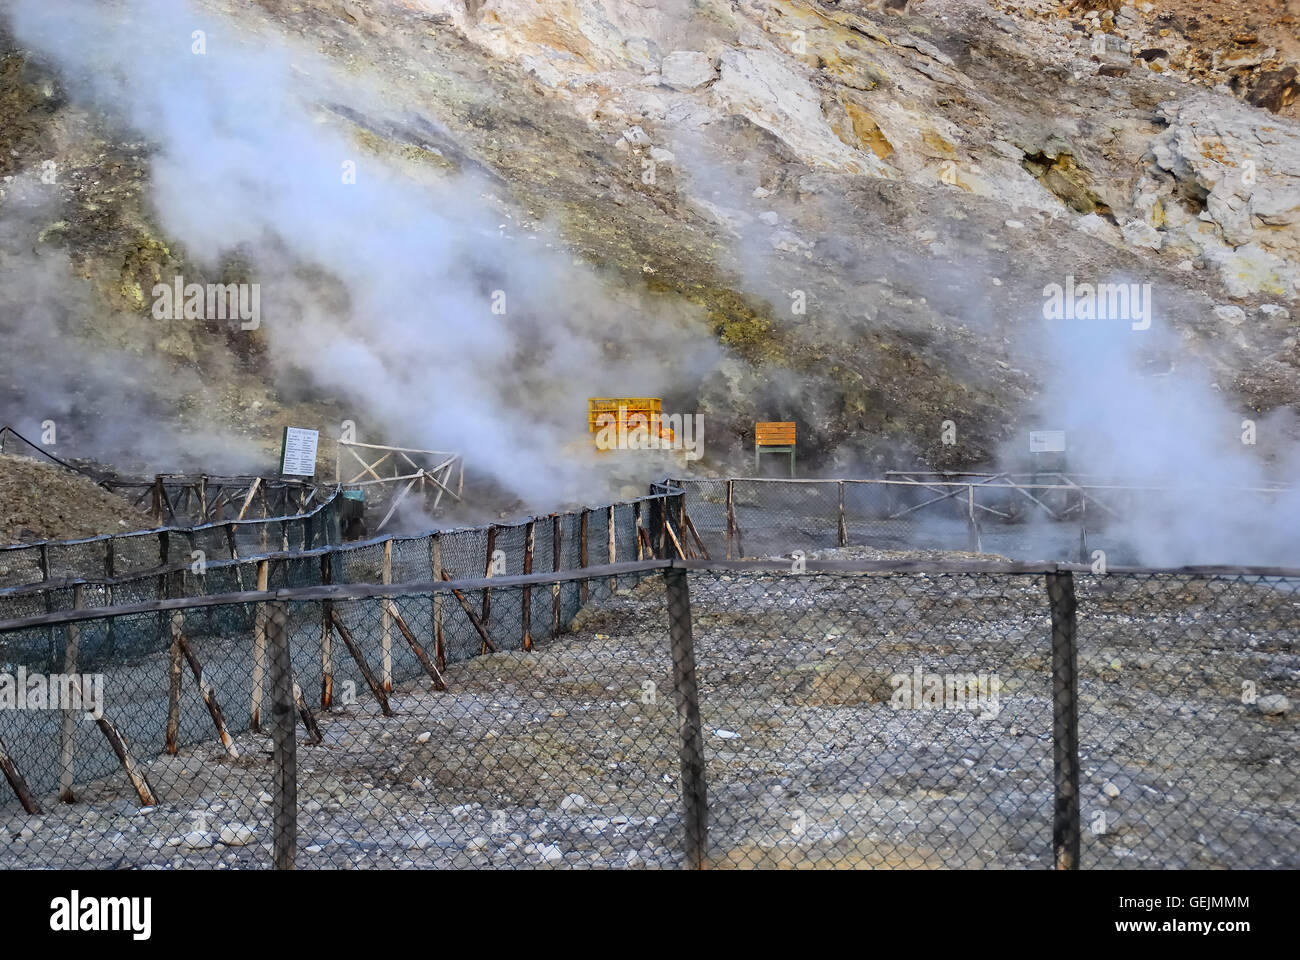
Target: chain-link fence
x,y
676,714
203,566
1053,518
148,553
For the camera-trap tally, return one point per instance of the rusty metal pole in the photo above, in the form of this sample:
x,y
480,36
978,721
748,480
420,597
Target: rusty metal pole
x,y
1065,721
691,735
284,740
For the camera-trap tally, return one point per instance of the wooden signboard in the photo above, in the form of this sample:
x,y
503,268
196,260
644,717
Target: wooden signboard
x,y
774,436
774,433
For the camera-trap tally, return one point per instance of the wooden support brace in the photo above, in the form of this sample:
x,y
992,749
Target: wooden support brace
x,y
375,687
438,682
690,527
308,718
16,781
473,617
205,690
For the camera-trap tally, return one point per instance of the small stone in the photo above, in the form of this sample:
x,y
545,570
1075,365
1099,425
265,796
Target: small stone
x,y
1015,224
636,136
1275,312
726,734
1139,233
1274,705
315,848
196,840
1110,789
686,70
660,155
574,801
237,835
548,853
769,217
424,737
422,840
1229,314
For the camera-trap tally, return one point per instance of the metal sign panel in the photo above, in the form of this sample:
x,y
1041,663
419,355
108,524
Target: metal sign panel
x,y
298,452
1046,441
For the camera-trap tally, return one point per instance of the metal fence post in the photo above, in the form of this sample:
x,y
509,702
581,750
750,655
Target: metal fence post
x,y
690,734
283,736
1065,721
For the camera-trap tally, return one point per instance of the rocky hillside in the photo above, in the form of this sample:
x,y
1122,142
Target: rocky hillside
x,y
860,202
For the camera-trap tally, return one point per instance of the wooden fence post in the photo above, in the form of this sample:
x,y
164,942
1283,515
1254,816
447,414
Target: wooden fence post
x,y
284,741
843,528
68,730
439,647
1065,721
583,589
690,732
259,652
385,623
557,531
175,672
613,546
326,637
487,572
731,517
526,598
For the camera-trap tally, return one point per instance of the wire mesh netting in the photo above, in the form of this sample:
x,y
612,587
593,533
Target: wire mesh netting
x,y
742,718
123,555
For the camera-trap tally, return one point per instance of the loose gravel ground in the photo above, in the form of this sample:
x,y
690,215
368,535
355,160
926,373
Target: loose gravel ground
x,y
567,756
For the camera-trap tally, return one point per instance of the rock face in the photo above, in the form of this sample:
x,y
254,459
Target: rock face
x,y
722,156
686,70
759,85
1242,169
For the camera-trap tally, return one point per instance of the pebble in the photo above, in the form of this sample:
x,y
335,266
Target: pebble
x,y
574,801
1274,705
1230,314
237,835
547,853
196,840
424,737
1110,789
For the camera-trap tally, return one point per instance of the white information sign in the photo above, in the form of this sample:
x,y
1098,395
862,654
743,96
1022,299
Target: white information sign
x,y
298,452
1046,441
